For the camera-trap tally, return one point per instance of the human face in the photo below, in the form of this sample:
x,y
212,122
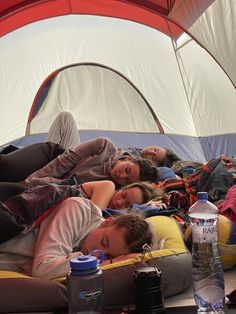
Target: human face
x,y
154,153
107,238
124,198
125,172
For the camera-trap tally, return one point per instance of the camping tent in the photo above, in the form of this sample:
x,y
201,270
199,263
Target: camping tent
x,y
140,72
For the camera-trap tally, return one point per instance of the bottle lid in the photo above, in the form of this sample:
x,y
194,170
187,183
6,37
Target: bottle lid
x,y
88,262
84,262
202,196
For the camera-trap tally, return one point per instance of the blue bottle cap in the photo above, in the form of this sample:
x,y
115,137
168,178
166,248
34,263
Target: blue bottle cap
x,y
86,262
83,262
202,196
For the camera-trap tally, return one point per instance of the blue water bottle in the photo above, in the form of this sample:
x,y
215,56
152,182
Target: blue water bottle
x,y
207,271
85,284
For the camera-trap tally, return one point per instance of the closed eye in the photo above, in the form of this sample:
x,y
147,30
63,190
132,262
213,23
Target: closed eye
x,y
105,242
124,193
127,170
154,158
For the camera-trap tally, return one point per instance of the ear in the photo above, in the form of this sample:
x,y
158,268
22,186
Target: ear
x,y
107,221
129,158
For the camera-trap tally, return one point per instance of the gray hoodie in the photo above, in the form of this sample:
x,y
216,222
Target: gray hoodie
x,y
90,161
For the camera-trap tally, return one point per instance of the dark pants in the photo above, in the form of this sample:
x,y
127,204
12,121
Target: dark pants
x,y
9,189
18,165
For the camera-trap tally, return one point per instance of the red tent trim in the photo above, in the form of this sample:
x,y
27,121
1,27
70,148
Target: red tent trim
x,y
19,13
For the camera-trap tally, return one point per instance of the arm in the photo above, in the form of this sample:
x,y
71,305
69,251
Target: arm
x,y
62,166
71,220
99,192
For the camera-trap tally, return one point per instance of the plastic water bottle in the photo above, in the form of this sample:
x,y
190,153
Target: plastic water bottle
x,y
207,272
85,285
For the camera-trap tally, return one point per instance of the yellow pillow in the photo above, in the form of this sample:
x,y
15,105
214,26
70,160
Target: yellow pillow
x,y
12,274
167,232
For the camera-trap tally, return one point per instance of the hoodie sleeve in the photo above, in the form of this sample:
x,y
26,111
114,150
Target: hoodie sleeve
x,y
64,165
70,222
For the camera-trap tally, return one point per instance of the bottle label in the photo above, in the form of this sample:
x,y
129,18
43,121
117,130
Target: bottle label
x,y
91,294
204,234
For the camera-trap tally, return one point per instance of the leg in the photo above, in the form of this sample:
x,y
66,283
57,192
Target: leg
x,y
18,165
8,189
64,131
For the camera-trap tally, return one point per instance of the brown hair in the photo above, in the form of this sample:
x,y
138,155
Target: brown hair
x,y
148,171
169,160
149,191
138,231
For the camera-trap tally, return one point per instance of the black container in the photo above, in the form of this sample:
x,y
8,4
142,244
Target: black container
x,y
148,291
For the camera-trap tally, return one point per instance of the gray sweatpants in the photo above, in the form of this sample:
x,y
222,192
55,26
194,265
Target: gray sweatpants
x,y
64,131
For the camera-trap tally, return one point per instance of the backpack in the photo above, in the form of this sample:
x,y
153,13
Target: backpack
x,y
179,166
215,177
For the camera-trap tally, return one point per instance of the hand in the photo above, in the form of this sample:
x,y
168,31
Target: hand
x,y
157,204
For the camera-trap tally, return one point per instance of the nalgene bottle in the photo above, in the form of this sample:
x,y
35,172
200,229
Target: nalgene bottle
x,y
85,284
208,274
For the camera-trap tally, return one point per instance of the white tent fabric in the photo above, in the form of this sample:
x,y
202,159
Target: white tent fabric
x,y
189,83
91,92
214,30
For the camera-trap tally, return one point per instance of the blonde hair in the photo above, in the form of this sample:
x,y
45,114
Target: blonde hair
x,y
149,191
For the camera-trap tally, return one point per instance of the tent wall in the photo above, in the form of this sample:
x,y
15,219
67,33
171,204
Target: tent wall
x,y
214,30
143,55
99,98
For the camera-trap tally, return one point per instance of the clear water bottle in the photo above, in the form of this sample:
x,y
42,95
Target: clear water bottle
x,y
207,272
85,284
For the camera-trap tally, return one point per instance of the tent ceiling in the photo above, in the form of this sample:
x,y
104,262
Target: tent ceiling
x,y
171,17
153,13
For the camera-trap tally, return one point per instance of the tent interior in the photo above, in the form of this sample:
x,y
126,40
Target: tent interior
x,y
159,72
139,72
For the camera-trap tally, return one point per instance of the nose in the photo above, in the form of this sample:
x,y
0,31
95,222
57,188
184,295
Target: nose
x,y
119,204
121,178
122,175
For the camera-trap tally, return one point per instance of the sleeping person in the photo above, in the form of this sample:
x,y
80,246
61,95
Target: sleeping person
x,y
75,227
97,159
60,163
102,193
22,207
